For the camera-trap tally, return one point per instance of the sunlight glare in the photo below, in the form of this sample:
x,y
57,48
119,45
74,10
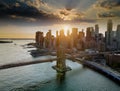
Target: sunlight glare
x,y
66,27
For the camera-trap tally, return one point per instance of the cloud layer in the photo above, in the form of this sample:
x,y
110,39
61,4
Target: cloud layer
x,y
54,11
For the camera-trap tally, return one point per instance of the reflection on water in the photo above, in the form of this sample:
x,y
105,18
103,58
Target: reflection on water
x,y
60,77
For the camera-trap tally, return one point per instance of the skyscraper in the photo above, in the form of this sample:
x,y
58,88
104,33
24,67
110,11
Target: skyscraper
x,y
92,31
109,25
39,38
57,39
88,34
96,29
75,36
97,32
118,36
109,35
81,35
109,31
48,39
62,39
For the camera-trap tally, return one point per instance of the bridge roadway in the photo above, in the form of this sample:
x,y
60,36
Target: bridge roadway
x,y
17,64
11,65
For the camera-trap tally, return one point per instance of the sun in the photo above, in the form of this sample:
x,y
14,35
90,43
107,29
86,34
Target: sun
x,y
66,27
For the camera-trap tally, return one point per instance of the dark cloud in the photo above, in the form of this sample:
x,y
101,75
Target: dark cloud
x,y
22,9
80,14
108,4
84,20
27,12
106,15
69,9
108,8
65,13
71,4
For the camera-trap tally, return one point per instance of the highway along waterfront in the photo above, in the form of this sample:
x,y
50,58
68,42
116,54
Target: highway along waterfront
x,y
41,77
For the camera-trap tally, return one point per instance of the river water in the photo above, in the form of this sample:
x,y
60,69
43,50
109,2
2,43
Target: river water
x,y
41,77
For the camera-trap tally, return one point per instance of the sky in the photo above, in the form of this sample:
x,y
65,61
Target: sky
x,y
22,18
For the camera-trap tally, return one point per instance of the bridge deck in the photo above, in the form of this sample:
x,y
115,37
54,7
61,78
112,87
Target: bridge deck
x,y
11,65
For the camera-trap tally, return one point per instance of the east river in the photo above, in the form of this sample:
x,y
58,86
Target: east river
x,y
41,77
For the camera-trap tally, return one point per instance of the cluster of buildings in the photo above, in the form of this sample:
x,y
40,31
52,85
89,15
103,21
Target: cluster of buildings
x,y
112,38
80,40
45,42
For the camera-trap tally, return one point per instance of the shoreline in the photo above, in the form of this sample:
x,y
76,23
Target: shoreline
x,y
109,73
103,70
5,41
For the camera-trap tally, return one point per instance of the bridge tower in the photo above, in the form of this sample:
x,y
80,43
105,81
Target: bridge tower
x,y
60,66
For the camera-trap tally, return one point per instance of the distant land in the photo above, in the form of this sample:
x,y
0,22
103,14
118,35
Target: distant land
x,y
17,39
